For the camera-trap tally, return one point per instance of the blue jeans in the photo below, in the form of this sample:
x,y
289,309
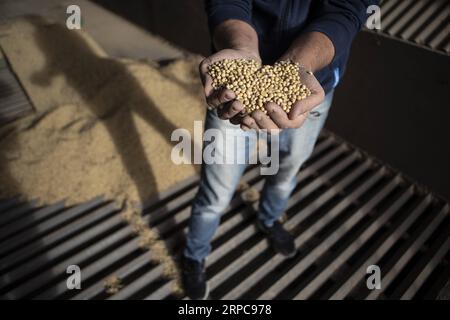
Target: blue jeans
x,y
219,181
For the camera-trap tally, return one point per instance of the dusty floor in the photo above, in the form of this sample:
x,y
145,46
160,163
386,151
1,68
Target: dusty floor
x,y
102,126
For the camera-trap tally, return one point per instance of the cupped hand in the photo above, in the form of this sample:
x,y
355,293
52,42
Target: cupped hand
x,y
223,99
277,118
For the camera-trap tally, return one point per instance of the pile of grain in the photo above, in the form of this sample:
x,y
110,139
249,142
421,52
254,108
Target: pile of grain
x,y
255,86
101,127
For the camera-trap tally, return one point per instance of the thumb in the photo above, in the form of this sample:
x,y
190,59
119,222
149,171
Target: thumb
x,y
305,105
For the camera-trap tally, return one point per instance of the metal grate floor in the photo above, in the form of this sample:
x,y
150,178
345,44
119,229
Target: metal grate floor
x,y
13,100
422,22
348,212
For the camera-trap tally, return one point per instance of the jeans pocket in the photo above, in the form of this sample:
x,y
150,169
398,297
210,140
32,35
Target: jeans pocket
x,y
314,114
322,109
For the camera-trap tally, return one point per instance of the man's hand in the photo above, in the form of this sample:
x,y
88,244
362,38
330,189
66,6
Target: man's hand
x,y
234,39
313,50
276,118
223,99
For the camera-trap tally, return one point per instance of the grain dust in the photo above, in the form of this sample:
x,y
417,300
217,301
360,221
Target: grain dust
x,y
102,126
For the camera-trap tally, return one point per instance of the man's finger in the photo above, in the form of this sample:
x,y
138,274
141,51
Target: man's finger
x,y
207,85
226,96
222,110
249,122
205,77
278,115
305,105
298,122
263,121
231,109
212,100
237,119
221,96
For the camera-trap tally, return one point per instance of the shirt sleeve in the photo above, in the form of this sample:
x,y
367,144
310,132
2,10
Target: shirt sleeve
x,y
219,11
339,20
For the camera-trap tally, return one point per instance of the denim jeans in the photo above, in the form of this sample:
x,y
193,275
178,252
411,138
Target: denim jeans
x,y
218,182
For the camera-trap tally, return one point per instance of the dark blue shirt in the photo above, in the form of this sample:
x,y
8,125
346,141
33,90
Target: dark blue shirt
x,y
279,22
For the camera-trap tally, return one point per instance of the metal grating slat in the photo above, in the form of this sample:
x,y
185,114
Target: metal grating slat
x,y
7,204
25,238
355,279
423,22
306,292
422,277
406,19
26,222
393,15
439,21
412,249
13,101
333,238
291,223
295,221
348,211
439,39
249,231
113,257
14,213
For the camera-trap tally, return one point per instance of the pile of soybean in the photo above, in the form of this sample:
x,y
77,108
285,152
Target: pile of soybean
x,y
254,85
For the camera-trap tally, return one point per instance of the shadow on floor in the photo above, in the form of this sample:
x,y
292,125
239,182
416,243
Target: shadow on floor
x,y
68,54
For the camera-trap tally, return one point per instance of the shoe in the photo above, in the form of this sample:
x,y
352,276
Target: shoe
x,y
194,279
281,240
